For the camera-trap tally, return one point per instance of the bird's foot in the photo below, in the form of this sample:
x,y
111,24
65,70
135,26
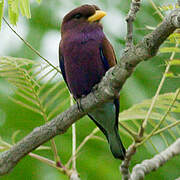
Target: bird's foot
x,y
79,105
95,87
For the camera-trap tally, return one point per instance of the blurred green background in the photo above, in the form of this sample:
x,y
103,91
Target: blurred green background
x,y
42,31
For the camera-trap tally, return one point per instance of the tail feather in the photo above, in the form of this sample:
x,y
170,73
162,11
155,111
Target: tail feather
x,y
105,118
116,145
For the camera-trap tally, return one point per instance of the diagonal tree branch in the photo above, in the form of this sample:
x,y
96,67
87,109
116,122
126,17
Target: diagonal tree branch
x,y
140,170
106,90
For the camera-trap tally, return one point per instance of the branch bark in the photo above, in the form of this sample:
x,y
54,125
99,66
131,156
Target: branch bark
x,y
124,168
135,6
106,90
140,170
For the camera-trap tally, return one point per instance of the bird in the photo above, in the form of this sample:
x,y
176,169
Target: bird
x,y
85,54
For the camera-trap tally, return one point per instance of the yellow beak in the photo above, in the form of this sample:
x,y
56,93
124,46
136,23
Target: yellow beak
x,y
97,16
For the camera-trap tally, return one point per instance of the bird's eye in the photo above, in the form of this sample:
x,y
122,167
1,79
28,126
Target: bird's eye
x,y
78,16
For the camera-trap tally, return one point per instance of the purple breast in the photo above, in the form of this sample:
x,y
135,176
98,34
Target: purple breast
x,y
82,61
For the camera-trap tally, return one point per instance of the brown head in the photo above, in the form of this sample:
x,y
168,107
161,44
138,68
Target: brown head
x,y
82,16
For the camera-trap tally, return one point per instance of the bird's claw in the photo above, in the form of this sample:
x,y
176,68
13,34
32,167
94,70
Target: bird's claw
x,y
79,105
95,87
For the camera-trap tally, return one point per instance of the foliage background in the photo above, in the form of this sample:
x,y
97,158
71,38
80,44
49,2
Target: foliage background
x,y
43,32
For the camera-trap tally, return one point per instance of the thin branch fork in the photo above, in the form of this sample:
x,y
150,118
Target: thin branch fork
x,y
139,171
135,7
106,90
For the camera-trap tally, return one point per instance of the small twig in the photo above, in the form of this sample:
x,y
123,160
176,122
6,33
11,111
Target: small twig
x,y
98,138
144,124
130,132
82,144
140,170
135,6
40,158
167,127
34,50
161,120
124,168
156,8
51,163
56,156
45,160
53,144
74,176
73,139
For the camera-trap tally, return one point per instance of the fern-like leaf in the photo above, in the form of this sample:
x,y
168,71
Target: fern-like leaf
x,y
33,91
169,129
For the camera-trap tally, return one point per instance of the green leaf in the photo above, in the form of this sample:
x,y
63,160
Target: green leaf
x,y
150,27
25,105
174,38
169,49
1,11
43,148
25,8
170,74
42,97
133,117
13,12
57,109
39,1
175,62
14,135
166,7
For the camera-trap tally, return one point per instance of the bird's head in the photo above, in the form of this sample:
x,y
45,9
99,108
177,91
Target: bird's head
x,y
85,15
